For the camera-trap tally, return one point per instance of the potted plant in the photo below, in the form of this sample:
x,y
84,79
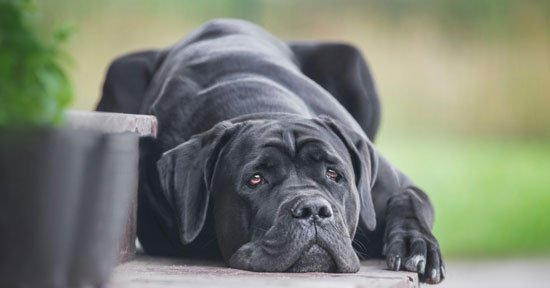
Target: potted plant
x,y
63,192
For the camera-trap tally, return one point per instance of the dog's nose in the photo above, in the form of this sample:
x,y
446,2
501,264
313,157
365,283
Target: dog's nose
x,y
312,208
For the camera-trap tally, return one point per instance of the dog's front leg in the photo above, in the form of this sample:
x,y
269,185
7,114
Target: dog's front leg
x,y
408,241
404,219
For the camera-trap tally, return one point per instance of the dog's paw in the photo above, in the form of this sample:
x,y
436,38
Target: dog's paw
x,y
415,251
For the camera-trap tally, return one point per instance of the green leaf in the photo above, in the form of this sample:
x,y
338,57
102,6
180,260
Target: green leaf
x,y
34,88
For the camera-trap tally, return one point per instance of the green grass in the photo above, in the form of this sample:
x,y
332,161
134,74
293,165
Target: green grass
x,y
491,196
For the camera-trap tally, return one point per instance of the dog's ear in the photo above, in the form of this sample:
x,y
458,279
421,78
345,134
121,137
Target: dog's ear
x,y
342,70
185,174
364,166
127,80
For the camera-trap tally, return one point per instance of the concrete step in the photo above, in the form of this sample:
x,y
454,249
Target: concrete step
x,y
144,125
150,272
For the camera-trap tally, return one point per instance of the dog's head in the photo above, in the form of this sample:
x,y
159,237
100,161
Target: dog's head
x,y
288,194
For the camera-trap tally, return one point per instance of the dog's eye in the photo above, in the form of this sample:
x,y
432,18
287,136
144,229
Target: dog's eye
x,y
255,180
333,175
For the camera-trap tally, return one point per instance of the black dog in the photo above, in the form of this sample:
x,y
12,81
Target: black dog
x,y
263,147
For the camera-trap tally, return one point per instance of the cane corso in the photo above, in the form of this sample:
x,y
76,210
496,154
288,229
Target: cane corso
x,y
264,156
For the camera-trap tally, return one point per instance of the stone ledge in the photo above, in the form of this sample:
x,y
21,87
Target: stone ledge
x,y
144,125
150,272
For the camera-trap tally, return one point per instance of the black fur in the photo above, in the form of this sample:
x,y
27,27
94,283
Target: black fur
x,y
233,101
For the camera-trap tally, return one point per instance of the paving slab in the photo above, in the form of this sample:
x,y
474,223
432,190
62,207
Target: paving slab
x,y
151,272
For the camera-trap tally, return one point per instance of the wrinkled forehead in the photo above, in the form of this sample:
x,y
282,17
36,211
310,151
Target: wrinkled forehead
x,y
290,138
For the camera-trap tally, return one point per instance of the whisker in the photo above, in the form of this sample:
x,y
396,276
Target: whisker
x,y
259,228
360,248
362,255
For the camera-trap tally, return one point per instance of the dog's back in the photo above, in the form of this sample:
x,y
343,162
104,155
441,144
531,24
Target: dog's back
x,y
229,68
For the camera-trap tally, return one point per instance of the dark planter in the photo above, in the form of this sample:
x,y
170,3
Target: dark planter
x,y
64,196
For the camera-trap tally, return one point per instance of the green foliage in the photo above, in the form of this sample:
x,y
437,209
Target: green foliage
x,y
490,195
34,89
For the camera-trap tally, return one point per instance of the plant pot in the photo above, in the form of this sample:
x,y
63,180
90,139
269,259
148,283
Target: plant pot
x,y
63,197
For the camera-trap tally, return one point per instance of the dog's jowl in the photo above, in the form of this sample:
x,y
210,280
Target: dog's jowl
x,y
265,156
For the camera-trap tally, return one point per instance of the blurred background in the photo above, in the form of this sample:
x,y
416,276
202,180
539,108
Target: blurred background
x,y
465,88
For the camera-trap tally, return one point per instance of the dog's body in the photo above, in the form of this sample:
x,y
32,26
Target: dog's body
x,y
230,100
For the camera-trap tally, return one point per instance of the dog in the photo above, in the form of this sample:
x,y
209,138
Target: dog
x,y
264,156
